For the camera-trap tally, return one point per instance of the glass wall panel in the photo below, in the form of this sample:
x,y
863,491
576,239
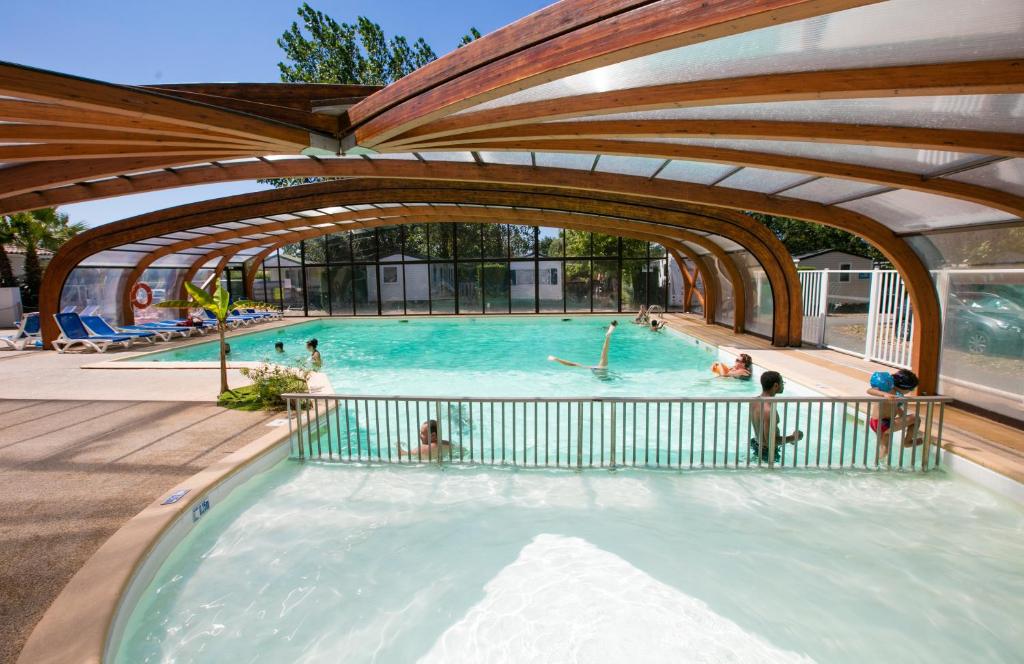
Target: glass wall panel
x,y
657,283
389,241
495,241
606,245
318,300
96,287
292,291
443,285
416,247
364,245
551,243
468,239
606,283
341,290
634,284
392,288
657,251
166,284
441,241
633,248
365,277
577,285
726,301
549,274
577,243
521,241
523,285
417,288
496,288
316,250
470,290
339,247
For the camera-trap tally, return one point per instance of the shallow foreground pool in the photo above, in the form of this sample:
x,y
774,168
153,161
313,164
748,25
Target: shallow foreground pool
x,y
320,563
480,357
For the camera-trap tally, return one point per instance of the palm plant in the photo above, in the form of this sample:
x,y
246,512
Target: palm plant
x,y
6,238
219,304
44,229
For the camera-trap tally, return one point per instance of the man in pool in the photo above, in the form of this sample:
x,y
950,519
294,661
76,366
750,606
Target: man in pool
x,y
279,347
602,365
430,446
765,421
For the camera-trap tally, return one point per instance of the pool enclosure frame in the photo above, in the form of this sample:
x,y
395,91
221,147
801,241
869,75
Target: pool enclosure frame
x,y
676,106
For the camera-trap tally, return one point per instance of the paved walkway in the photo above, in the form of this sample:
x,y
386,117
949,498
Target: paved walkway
x,y
72,472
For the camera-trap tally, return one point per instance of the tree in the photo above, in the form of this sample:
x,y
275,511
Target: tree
x,y
470,37
803,237
219,304
7,279
45,230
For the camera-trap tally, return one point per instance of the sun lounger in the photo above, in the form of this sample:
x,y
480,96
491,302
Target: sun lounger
x,y
97,325
166,329
90,310
69,310
27,334
74,333
232,321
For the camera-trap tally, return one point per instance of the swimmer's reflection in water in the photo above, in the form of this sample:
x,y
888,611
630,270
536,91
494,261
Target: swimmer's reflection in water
x,y
601,368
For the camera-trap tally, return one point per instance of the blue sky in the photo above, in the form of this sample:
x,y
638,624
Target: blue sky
x,y
185,41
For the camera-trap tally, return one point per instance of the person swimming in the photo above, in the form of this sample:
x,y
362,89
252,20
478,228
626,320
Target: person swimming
x,y
742,368
279,347
641,318
314,354
657,325
602,366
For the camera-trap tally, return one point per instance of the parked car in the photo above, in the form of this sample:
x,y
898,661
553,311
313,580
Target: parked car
x,y
985,323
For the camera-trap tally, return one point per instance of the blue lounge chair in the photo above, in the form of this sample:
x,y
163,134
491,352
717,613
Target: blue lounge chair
x,y
27,334
165,330
232,321
97,325
73,332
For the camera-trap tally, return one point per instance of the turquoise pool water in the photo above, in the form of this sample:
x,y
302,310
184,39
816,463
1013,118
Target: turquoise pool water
x,y
331,563
479,357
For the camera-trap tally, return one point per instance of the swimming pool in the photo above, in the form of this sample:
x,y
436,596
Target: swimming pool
x,y
311,563
480,357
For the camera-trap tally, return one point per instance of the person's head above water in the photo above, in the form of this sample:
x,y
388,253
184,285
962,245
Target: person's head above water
x,y
771,383
904,380
279,346
745,360
428,427
312,344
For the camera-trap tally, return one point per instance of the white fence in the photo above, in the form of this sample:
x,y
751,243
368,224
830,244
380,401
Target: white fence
x,y
866,313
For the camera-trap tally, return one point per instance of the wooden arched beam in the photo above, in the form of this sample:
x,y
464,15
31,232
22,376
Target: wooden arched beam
x,y
673,242
710,283
257,264
598,185
770,253
965,191
643,30
955,78
998,143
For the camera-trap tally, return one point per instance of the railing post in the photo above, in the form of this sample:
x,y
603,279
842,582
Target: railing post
x,y
872,324
612,434
579,435
823,306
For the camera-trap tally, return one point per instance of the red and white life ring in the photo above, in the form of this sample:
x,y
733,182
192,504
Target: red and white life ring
x,y
142,295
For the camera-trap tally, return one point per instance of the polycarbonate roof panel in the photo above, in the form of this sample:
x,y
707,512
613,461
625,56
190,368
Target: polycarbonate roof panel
x,y
725,243
232,225
447,156
641,166
114,259
1006,175
899,159
512,158
698,172
900,32
830,190
906,211
697,249
392,155
976,112
762,180
581,162
174,260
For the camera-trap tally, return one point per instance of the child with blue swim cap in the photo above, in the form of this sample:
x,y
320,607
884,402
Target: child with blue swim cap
x,y
892,414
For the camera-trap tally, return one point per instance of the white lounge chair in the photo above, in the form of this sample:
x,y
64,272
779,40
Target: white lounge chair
x,y
27,334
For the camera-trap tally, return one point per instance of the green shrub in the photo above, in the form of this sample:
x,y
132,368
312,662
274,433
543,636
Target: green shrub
x,y
269,382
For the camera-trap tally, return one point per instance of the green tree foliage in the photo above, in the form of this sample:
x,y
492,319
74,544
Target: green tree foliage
x,y
219,304
803,237
32,232
469,37
343,53
7,279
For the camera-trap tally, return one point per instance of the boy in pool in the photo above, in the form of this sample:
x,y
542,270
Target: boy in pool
x,y
279,347
892,414
602,365
657,325
314,354
765,420
641,318
430,446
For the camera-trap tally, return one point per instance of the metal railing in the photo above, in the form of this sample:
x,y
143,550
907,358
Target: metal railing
x,y
836,433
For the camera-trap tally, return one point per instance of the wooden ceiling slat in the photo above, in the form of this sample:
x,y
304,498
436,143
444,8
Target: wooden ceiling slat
x,y
69,152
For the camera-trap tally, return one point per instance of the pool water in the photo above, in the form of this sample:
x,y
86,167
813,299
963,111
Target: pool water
x,y
329,563
481,357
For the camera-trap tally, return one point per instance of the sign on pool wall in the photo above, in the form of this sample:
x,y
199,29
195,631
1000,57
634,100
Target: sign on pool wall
x,y
199,510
